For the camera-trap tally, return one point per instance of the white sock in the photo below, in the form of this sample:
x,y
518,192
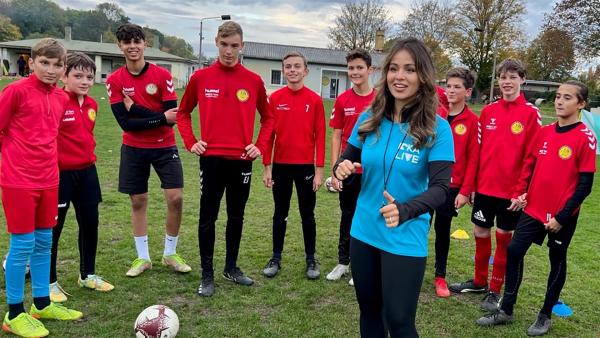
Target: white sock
x,y
141,246
170,245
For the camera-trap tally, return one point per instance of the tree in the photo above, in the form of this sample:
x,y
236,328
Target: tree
x,y
37,16
591,78
551,56
440,58
497,22
87,25
433,22
177,46
8,31
581,19
357,24
150,34
429,20
113,13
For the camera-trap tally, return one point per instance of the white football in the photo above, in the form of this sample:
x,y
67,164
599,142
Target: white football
x,y
156,321
328,185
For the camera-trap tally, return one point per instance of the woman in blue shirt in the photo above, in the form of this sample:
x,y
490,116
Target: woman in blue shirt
x,y
406,152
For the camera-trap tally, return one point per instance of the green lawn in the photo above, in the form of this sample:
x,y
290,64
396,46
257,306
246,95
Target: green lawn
x,y
288,305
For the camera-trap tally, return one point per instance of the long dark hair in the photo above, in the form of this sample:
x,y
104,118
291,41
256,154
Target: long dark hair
x,y
423,106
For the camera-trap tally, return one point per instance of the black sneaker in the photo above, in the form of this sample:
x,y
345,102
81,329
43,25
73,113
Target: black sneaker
x,y
272,268
490,302
312,269
468,286
497,317
237,276
541,326
207,287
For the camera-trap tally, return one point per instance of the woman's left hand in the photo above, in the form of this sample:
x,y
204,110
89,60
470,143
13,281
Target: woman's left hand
x,y
390,212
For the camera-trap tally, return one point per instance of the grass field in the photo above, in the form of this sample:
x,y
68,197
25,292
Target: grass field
x,y
288,305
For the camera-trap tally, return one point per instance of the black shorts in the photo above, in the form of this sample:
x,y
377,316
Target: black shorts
x,y
530,230
79,186
134,169
487,208
448,209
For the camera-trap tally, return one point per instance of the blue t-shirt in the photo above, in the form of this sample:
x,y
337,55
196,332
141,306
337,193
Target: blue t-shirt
x,y
408,178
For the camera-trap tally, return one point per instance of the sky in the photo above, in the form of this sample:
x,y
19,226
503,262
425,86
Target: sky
x,y
299,22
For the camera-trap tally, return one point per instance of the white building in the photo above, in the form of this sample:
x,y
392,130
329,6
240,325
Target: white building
x,y
108,57
327,68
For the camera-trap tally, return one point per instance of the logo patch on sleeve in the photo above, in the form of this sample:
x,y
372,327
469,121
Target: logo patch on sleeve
x,y
242,95
565,152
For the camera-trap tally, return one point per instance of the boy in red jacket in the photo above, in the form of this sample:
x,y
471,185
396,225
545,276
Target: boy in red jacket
x,y
299,141
346,109
557,176
143,101
227,95
506,127
463,122
78,181
30,113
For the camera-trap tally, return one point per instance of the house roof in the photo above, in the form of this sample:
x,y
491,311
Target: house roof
x,y
542,83
91,47
271,51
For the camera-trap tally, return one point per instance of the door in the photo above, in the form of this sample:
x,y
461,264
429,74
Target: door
x,y
333,88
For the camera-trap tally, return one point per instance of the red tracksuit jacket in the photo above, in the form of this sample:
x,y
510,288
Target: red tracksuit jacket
x,y
76,143
466,151
30,114
227,99
299,128
506,129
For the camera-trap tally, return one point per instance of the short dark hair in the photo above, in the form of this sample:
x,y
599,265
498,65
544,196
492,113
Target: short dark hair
x,y
49,48
582,90
79,60
511,65
130,31
295,54
464,74
359,53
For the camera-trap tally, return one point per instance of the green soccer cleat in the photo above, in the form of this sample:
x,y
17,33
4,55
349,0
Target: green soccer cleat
x,y
57,294
95,282
55,311
176,263
24,325
138,266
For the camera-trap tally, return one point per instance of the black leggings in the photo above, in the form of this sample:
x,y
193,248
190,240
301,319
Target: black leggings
x,y
442,226
87,241
348,197
217,176
387,290
530,230
80,187
285,176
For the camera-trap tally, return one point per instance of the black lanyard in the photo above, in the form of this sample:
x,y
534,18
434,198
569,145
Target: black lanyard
x,y
387,177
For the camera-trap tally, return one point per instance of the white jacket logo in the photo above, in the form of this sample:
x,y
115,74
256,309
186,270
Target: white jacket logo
x,y
211,93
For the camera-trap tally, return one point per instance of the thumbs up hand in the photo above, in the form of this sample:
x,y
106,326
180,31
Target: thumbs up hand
x,y
389,211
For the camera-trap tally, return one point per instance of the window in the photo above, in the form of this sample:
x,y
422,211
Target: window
x,y
277,78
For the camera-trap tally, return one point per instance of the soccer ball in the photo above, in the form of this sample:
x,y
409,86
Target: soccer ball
x,y
156,321
328,185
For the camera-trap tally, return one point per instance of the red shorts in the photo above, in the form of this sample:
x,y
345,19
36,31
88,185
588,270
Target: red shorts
x,y
27,209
